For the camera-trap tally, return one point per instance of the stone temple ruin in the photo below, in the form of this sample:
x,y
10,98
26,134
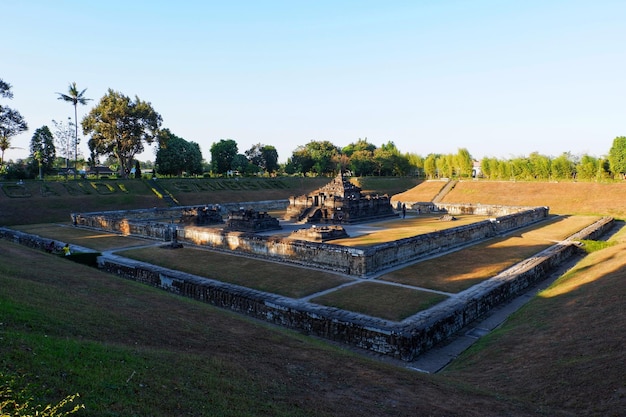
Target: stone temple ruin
x,y
343,202
250,220
338,202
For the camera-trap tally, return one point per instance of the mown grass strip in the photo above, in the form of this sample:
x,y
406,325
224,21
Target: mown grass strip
x,y
380,300
286,280
457,271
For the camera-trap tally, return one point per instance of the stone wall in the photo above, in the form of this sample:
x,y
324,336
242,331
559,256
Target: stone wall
x,y
403,340
352,261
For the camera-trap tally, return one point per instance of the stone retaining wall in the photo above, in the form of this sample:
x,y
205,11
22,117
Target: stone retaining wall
x,y
404,340
352,261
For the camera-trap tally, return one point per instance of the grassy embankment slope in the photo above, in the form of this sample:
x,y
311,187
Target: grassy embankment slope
x,y
132,350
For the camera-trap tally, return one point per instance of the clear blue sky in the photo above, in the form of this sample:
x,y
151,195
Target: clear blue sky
x,y
499,78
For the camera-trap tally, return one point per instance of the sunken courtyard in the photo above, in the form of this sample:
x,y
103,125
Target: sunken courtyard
x,y
313,234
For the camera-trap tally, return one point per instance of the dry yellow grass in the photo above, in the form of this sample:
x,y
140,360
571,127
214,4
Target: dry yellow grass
x,y
460,270
273,277
564,350
424,192
97,240
562,197
379,300
404,228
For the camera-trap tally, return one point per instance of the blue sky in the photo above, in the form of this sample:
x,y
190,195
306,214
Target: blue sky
x,y
499,78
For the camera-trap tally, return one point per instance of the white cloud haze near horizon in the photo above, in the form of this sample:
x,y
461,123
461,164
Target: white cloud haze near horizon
x,y
500,79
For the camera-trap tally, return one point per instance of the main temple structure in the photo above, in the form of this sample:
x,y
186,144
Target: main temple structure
x,y
338,202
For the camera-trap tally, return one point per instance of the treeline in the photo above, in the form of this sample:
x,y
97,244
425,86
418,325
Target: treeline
x,y
119,127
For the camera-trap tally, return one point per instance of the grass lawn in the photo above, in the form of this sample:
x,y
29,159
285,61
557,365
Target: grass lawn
x,y
379,300
132,350
396,229
277,278
568,340
92,239
457,271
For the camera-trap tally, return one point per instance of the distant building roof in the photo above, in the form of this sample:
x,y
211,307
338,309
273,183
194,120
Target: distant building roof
x,y
100,169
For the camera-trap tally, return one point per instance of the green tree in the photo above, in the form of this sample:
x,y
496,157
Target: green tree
x,y
119,126
617,156
430,166
359,145
11,122
362,163
390,161
222,155
42,149
445,165
324,155
64,136
587,168
463,163
176,155
384,161
75,97
242,165
541,166
416,162
520,168
300,161
562,167
264,157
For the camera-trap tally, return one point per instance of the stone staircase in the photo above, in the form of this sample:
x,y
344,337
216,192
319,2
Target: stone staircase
x,y
445,190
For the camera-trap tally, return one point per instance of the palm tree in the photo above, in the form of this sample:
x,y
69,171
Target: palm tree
x,y
75,97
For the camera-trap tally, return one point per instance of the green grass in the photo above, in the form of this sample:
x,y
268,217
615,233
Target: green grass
x,y
459,270
65,338
277,278
558,356
595,245
132,350
380,300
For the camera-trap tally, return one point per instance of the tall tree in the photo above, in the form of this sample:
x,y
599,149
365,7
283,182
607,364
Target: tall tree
x,y
430,166
300,161
264,157
42,149
324,155
359,145
617,156
176,155
562,167
222,155
75,97
541,166
64,135
463,163
242,165
362,163
11,122
269,156
119,126
587,168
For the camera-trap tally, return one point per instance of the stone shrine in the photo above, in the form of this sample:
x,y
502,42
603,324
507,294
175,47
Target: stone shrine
x,y
320,234
338,202
251,221
202,216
